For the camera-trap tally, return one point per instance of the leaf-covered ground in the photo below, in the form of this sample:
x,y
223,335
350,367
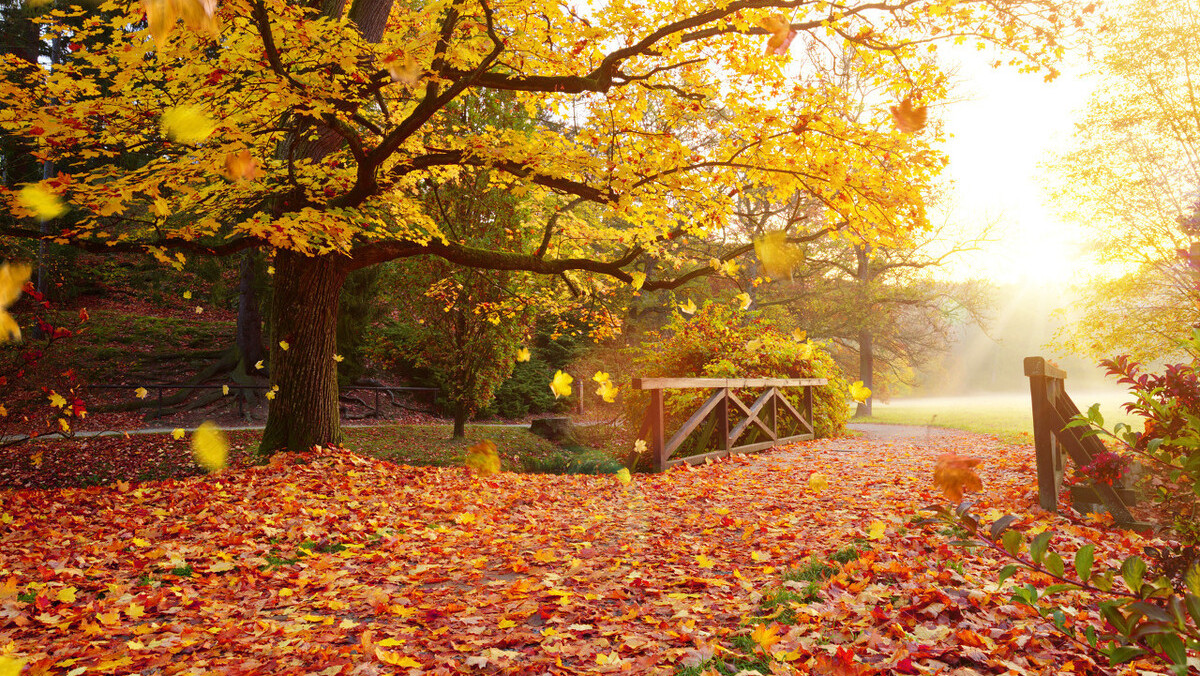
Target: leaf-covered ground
x,y
332,563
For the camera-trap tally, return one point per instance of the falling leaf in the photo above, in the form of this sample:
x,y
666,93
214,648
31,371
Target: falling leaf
x,y
799,335
64,425
623,476
859,392
688,308
338,358
12,280
209,447
561,385
258,364
781,34
743,300
523,354
40,200
954,474
36,459
178,433
908,119
600,377
730,268
483,459
224,389
875,530
283,345
639,446
241,167
56,399
405,71
162,15
10,666
187,295
639,278
754,345
817,482
607,391
187,124
777,255
141,393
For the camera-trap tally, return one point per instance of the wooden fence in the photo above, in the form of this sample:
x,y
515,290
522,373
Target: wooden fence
x,y
724,424
1052,410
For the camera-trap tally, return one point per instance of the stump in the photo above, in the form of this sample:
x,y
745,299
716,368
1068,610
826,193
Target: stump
x,y
554,429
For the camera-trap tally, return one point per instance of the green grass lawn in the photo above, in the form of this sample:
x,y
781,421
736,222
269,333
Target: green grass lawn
x,y
1008,416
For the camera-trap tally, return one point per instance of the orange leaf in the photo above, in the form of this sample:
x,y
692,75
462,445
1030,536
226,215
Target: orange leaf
x,y
954,474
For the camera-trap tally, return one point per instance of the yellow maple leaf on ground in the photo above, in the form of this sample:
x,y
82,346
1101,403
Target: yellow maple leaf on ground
x,y
483,459
766,636
42,201
561,385
875,530
704,562
859,392
209,447
10,666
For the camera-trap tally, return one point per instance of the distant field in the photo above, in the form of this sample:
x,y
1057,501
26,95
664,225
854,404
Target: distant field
x,y
1008,416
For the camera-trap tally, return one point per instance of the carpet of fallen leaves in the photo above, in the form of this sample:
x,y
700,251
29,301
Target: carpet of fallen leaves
x,y
330,563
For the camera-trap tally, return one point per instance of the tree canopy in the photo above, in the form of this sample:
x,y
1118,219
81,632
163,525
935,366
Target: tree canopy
x,y
313,130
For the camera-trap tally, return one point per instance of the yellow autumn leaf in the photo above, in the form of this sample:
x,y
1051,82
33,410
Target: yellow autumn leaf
x,y
141,393
600,377
523,354
187,295
624,477
241,167
858,392
688,308
799,335
3,411
11,666
759,557
36,459
778,256
12,280
224,389
908,118
187,124
66,595
875,530
466,518
639,446
483,459
817,482
283,345
607,391
396,659
704,562
258,364
178,433
506,624
162,15
199,310
405,71
56,399
40,200
64,425
730,268
743,300
781,34
209,447
765,636
639,278
753,345
338,358
561,385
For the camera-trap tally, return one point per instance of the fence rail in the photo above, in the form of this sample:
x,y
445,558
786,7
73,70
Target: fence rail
x,y
1052,410
724,419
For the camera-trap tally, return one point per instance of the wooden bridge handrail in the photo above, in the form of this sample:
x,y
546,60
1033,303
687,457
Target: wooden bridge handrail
x,y
1038,366
687,383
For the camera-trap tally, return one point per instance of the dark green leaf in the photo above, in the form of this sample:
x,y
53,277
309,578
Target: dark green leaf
x,y
1122,654
1006,572
1037,548
1083,562
1012,541
1054,564
1132,569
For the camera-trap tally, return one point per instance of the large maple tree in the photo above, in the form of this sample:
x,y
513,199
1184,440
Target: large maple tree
x,y
311,129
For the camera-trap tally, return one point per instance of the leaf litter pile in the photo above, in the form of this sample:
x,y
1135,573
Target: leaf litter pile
x,y
331,563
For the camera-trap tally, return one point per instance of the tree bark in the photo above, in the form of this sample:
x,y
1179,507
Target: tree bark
x,y
304,411
249,319
460,421
866,367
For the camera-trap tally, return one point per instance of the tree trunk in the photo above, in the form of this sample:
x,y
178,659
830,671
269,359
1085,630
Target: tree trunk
x,y
460,421
866,367
304,411
249,320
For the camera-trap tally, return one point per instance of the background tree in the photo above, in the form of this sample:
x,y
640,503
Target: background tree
x,y
312,133
1133,179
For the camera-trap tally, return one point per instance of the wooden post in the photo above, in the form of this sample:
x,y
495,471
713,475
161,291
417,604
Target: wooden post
x,y
1045,384
723,419
658,445
808,408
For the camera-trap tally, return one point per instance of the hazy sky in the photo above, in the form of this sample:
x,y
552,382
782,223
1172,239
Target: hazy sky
x,y
1005,124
